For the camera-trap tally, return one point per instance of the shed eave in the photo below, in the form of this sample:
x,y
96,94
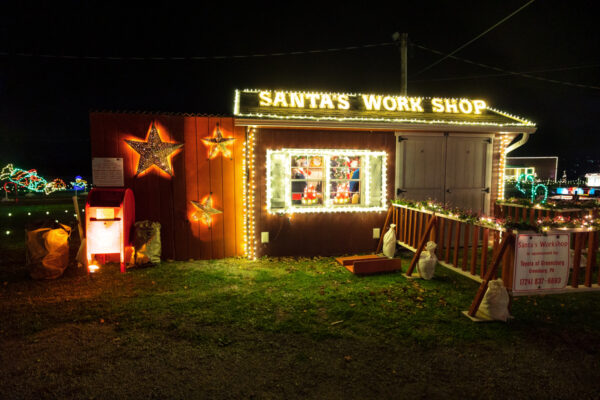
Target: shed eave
x,y
384,126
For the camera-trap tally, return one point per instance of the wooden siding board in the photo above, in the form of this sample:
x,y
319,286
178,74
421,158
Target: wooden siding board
x,y
228,182
216,188
190,152
203,176
238,154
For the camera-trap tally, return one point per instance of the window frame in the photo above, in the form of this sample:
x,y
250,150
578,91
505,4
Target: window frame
x,y
365,179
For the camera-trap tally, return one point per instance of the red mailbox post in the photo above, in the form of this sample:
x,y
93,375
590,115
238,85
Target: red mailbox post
x,y
109,216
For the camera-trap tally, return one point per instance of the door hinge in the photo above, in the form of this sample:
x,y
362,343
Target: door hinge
x,y
400,139
486,190
488,140
400,191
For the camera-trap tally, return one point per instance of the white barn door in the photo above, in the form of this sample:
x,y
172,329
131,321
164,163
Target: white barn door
x,y
467,172
453,169
421,163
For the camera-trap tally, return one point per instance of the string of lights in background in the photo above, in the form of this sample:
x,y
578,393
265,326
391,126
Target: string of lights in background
x,y
15,218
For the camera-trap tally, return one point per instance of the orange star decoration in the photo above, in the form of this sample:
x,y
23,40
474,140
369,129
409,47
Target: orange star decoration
x,y
204,210
154,152
218,144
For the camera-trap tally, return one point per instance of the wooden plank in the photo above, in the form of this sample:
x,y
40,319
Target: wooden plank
x,y
181,227
531,216
410,226
440,236
421,245
456,244
216,188
228,184
420,226
474,246
404,217
508,241
451,224
484,252
349,260
190,154
368,267
466,240
238,155
385,224
591,255
204,189
576,260
395,222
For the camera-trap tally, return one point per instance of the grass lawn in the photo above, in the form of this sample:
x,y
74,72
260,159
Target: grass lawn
x,y
282,328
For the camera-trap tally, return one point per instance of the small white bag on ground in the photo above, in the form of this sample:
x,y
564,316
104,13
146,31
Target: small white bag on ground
x,y
427,261
495,302
389,242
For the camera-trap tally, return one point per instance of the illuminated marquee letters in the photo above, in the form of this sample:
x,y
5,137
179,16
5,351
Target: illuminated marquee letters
x,y
334,101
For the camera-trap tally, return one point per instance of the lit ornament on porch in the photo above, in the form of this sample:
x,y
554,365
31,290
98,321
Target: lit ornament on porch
x,y
218,144
204,210
154,152
310,195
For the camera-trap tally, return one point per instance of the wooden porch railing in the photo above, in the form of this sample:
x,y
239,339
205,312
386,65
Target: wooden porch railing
x,y
481,252
531,214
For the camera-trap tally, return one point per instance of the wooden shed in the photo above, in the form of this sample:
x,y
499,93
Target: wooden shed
x,y
305,173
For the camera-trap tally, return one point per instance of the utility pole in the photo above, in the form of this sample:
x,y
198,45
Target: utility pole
x,y
404,69
402,39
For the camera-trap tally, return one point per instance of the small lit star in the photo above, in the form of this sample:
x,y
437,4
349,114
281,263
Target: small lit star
x,y
218,143
205,210
154,152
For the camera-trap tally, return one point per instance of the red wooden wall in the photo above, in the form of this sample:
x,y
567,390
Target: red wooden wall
x,y
166,199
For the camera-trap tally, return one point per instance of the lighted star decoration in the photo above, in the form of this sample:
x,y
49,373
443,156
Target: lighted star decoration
x,y
154,152
205,210
218,144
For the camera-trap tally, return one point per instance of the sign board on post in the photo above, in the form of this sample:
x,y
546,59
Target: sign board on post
x,y
107,172
541,262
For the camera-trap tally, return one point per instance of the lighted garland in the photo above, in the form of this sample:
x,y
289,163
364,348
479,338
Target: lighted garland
x,y
467,216
553,205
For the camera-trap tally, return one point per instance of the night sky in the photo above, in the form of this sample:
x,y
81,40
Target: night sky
x,y
45,95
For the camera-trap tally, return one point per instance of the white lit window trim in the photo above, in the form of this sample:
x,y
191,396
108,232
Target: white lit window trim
x,y
327,207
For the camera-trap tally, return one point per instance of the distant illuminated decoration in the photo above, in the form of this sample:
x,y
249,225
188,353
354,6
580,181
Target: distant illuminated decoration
x,y
154,152
523,179
204,210
30,180
218,144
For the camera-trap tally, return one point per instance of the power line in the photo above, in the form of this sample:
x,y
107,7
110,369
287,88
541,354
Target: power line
x,y
474,39
455,78
509,72
196,58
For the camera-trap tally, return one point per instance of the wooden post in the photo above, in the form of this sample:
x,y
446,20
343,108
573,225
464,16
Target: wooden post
x,y
421,245
474,246
449,240
576,260
509,239
456,245
466,238
591,254
382,233
484,252
440,237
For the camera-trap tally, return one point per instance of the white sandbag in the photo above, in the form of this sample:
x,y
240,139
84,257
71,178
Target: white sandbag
x,y
427,261
495,302
389,242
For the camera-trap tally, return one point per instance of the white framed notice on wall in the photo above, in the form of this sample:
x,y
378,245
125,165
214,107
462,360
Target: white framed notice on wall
x,y
107,172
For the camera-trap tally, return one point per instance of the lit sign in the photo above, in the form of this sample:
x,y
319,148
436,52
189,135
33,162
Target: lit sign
x,y
363,102
371,108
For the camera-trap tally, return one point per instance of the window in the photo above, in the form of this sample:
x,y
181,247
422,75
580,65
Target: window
x,y
314,180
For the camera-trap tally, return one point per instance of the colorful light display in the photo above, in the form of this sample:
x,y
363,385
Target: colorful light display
x,y
523,178
154,152
30,180
79,184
